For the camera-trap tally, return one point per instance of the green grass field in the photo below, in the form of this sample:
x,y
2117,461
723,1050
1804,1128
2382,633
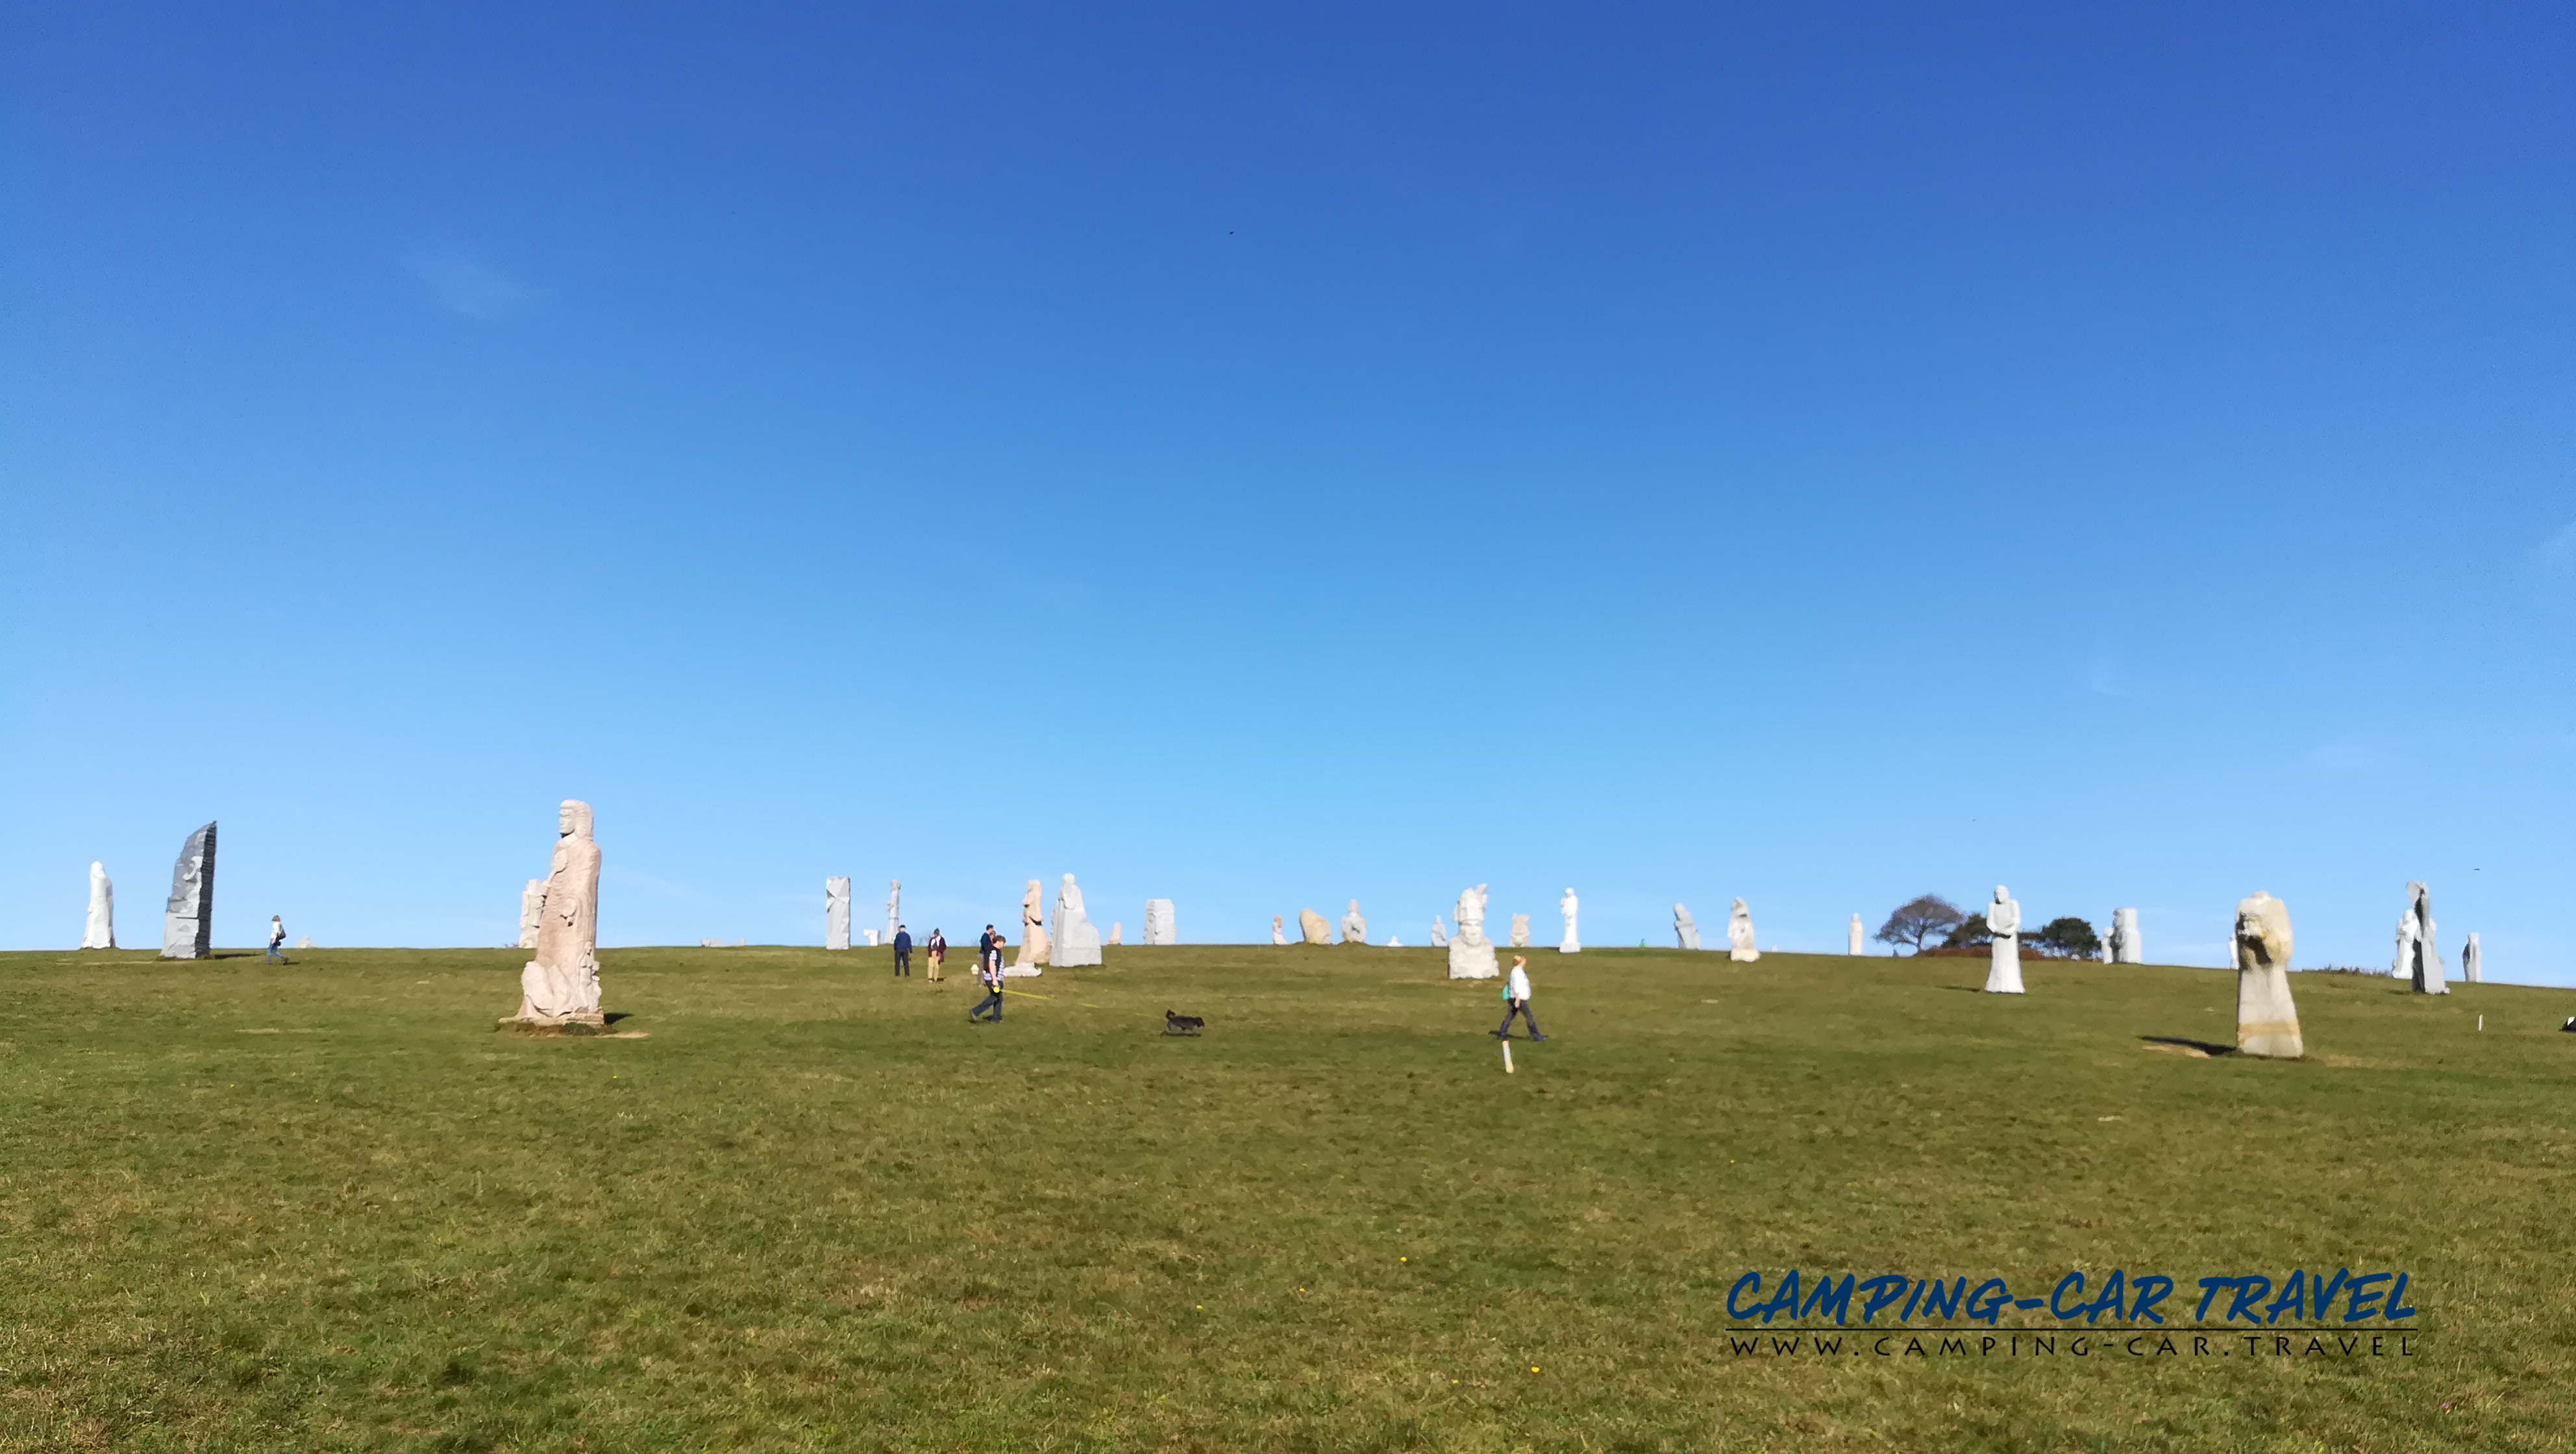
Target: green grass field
x,y
327,1207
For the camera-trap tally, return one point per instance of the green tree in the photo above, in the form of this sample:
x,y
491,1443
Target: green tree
x,y
2069,936
1919,919
1971,932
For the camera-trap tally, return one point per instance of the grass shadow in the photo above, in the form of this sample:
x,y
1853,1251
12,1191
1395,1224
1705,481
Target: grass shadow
x,y
2203,1046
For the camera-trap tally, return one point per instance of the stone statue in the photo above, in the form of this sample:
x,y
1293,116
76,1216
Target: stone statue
x,y
2267,1023
188,925
2470,967
1033,935
1855,936
1077,941
1471,954
532,904
1117,931
2424,964
1392,942
2003,917
894,908
2125,947
2403,966
1277,935
836,913
561,985
1158,922
1567,906
1439,933
1685,928
1311,928
1739,934
1354,928
1520,931
100,931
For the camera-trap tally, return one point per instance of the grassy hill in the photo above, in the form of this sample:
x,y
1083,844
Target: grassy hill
x,y
326,1207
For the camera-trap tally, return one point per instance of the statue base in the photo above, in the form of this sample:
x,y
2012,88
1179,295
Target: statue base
x,y
593,1024
1472,961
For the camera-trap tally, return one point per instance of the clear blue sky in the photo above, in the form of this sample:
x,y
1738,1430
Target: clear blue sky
x,y
1270,455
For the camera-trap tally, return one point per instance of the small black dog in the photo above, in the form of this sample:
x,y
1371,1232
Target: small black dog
x,y
1177,1024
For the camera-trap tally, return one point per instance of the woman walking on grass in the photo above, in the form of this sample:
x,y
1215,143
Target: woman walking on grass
x,y
932,954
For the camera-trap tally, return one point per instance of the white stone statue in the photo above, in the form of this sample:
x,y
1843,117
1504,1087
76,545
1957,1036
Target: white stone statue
x,y
2403,966
2267,1023
2125,946
869,934
532,905
1685,928
100,931
1077,943
1739,934
2425,963
1033,936
1568,906
1158,922
1520,931
2003,918
1439,933
2470,968
1311,928
1471,954
1394,942
561,985
188,924
894,908
836,913
1117,931
1354,928
1277,935
306,942
1856,940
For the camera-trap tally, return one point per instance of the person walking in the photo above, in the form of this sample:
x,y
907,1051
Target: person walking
x,y
1516,998
934,954
276,940
902,952
990,972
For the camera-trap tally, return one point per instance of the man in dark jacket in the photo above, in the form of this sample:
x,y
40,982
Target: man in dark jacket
x,y
902,950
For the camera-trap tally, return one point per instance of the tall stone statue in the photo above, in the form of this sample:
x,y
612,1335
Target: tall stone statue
x,y
1034,948
561,985
2125,947
532,905
836,913
1158,922
1685,928
1855,945
2003,917
2403,966
1439,933
1471,954
1077,943
100,931
2424,964
894,908
2470,967
1311,928
1117,931
1277,935
1567,906
1354,928
188,924
1520,931
2267,1023
1739,934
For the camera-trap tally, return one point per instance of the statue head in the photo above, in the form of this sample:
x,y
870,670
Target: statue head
x,y
572,820
2001,893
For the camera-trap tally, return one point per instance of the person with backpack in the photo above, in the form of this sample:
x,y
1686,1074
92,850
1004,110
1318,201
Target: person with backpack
x,y
1516,998
990,972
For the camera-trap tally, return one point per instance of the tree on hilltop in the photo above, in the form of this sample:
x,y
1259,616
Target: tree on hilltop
x,y
1919,919
1971,932
2069,936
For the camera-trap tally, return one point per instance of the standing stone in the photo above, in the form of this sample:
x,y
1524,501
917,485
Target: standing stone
x,y
1277,936
1471,954
836,913
561,985
1568,906
1439,933
1855,936
2267,1023
870,933
1033,936
1077,942
1685,928
2126,948
2003,917
1520,931
532,906
1158,922
188,926
894,908
1311,928
1117,931
1354,928
100,931
2403,966
1739,934
2424,965
2470,967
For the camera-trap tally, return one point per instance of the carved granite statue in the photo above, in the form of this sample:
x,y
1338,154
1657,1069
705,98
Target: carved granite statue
x,y
1739,934
561,985
1855,941
1077,943
894,908
1685,928
1568,906
1354,928
1439,933
188,924
2003,918
100,931
1117,931
1034,948
1471,954
2425,960
2125,945
1520,931
1311,928
532,903
1277,935
2267,1023
836,913
2472,968
1158,922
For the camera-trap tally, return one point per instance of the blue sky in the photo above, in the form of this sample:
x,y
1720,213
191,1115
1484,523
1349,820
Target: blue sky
x,y
1270,455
